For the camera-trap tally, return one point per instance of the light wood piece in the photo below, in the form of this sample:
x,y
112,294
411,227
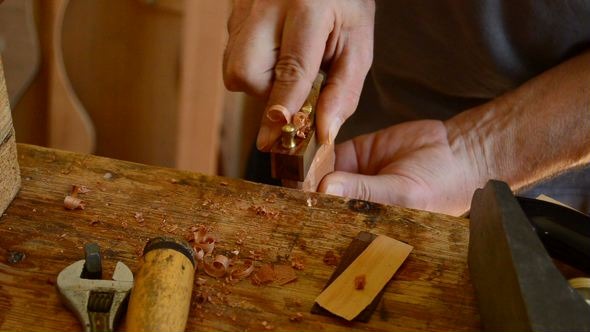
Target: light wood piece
x,y
376,265
432,290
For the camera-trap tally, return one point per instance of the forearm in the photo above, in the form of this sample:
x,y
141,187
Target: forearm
x,y
532,133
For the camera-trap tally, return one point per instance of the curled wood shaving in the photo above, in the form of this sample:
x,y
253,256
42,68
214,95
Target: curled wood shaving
x,y
199,253
302,123
243,271
218,267
298,317
207,245
73,203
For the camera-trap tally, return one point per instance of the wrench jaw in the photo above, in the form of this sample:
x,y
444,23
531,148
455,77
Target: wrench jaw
x,y
75,292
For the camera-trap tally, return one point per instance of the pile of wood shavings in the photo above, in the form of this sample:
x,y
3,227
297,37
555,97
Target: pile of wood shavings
x,y
217,266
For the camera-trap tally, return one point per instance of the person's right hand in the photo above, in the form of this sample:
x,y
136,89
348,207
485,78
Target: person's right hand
x,y
275,50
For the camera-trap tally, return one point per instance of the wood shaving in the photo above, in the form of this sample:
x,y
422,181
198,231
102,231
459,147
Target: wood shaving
x,y
298,317
73,203
360,281
302,123
79,190
311,201
223,183
139,217
242,271
284,274
265,212
267,326
297,263
263,276
107,176
218,267
330,258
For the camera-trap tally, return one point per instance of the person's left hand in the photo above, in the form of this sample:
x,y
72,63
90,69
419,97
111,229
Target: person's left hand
x,y
414,164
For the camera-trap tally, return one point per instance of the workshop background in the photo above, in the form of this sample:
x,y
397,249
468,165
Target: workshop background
x,y
137,80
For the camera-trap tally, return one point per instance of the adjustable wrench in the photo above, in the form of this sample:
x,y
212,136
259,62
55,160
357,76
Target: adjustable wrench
x,y
96,303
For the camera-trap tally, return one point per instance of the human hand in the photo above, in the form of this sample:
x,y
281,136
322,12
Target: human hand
x,y
421,164
275,50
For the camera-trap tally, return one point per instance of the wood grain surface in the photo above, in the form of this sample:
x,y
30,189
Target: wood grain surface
x,y
431,291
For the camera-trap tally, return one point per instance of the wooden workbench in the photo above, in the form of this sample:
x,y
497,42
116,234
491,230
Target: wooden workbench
x,y
431,291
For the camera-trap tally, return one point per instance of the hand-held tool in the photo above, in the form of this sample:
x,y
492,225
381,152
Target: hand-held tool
x,y
297,158
160,300
97,303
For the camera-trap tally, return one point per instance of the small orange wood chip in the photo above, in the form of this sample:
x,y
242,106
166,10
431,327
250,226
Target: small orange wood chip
x,y
360,281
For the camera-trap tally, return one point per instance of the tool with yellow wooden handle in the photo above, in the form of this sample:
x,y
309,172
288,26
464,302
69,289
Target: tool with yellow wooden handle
x,y
160,299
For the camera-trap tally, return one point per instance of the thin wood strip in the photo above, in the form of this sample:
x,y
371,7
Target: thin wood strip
x,y
378,263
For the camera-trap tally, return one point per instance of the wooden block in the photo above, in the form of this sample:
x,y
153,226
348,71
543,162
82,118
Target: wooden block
x,y
377,264
294,164
9,171
322,164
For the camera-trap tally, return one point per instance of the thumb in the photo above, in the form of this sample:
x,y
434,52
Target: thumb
x,y
384,189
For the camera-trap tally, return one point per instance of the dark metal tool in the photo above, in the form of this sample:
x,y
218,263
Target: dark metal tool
x,y
517,284
97,303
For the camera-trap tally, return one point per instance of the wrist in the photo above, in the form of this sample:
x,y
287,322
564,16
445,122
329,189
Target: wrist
x,y
471,149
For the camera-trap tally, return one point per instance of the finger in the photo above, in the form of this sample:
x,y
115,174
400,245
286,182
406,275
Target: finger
x,y
305,33
346,157
341,94
251,53
384,189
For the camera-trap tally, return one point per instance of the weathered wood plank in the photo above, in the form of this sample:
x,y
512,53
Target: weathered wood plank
x,y
431,291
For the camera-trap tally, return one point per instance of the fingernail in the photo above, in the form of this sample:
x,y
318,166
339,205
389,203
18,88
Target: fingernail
x,y
333,131
263,137
278,113
335,189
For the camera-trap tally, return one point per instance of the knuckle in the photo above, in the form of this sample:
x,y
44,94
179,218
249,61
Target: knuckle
x,y
236,76
289,69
